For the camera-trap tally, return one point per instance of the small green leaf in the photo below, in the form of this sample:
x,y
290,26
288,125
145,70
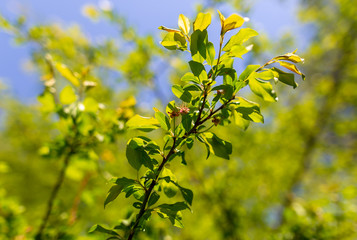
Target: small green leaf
x,y
247,72
238,51
210,53
163,120
66,73
263,89
116,189
172,212
136,154
90,105
181,94
238,39
174,41
153,199
202,21
249,110
217,146
47,102
67,95
99,228
198,45
198,70
190,77
284,77
145,124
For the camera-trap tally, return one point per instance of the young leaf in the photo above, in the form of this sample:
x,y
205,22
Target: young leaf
x,y
190,77
181,93
284,77
198,70
210,53
245,75
198,45
263,89
217,146
242,36
153,199
202,21
162,119
170,29
174,41
66,73
249,110
116,189
232,22
184,24
99,228
67,95
142,123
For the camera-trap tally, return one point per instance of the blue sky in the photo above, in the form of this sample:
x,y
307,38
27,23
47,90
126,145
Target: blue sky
x,y
272,17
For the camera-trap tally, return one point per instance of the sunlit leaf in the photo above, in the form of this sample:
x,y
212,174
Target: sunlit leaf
x,y
284,77
66,73
202,21
242,36
263,89
67,95
184,24
142,123
210,53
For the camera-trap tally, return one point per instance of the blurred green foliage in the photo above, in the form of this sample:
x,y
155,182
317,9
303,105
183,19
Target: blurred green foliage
x,y
291,178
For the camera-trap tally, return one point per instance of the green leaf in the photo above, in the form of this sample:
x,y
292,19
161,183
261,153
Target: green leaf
x,y
198,45
170,189
99,228
292,68
242,36
202,21
249,110
187,194
172,212
174,41
48,102
240,121
217,146
245,75
181,94
145,124
189,77
163,120
153,199
210,53
284,77
263,89
116,189
136,155
90,105
67,95
66,73
239,50
198,70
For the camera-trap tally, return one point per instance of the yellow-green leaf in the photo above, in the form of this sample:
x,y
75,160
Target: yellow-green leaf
x,y
66,73
67,95
290,66
202,21
222,18
232,22
184,24
142,123
169,29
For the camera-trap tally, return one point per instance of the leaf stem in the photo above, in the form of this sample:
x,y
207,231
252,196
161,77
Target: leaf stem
x,y
53,195
150,189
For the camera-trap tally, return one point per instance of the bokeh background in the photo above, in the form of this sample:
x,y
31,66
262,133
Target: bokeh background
x,y
294,177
